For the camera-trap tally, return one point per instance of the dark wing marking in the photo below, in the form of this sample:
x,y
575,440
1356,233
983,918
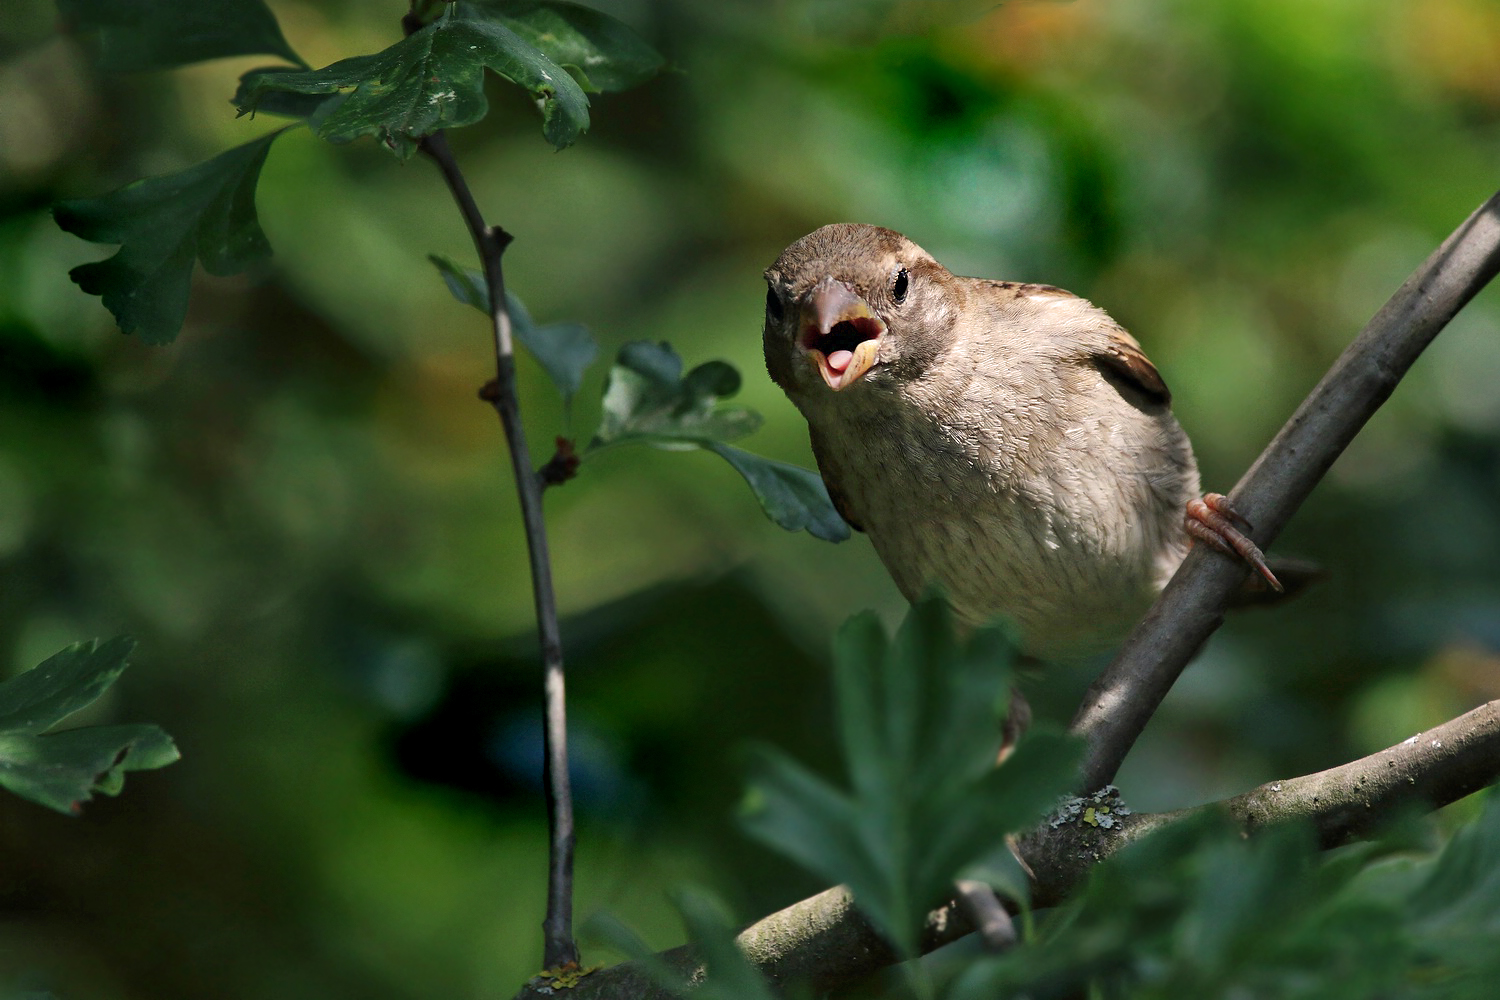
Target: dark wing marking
x,y
1125,360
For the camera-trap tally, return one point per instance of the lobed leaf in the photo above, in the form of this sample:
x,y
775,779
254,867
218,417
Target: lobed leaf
x,y
647,398
63,770
601,53
430,80
163,224
133,35
919,727
564,350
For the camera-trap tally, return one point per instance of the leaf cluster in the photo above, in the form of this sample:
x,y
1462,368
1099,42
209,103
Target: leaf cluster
x,y
1198,910
430,80
919,727
63,770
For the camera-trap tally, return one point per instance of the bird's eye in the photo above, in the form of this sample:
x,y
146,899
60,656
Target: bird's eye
x,y
898,290
773,306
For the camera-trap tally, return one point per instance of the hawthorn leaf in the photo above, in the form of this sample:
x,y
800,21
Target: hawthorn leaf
x,y
794,497
206,212
131,35
647,398
62,770
919,725
564,350
430,80
601,53
311,108
69,680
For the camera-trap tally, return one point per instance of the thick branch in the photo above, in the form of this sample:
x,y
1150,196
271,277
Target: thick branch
x,y
559,948
825,942
1127,693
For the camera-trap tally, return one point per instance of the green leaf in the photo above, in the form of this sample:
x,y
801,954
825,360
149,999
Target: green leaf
x,y
147,34
565,350
466,284
919,726
1198,910
62,684
647,398
601,53
162,224
430,80
728,972
63,770
794,497
729,975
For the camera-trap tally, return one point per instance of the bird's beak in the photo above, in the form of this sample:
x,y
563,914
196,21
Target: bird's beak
x,y
840,336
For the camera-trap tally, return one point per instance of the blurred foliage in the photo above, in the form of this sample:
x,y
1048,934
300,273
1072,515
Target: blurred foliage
x,y
303,514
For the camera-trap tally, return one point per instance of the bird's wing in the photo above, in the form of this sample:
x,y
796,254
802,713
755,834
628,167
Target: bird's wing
x,y
1123,358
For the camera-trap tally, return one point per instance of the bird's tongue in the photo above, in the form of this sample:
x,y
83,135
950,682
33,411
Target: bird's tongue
x,y
839,360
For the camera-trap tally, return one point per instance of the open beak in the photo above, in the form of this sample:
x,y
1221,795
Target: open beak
x,y
839,334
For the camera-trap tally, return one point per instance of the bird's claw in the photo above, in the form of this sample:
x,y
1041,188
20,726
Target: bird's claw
x,y
1213,521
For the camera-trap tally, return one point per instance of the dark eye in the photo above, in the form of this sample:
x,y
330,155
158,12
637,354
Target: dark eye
x,y
773,306
898,290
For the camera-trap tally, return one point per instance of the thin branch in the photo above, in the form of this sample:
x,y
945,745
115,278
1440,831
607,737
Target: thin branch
x,y
559,948
1126,695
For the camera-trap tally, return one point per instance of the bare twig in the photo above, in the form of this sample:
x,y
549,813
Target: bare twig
x,y
1127,693
559,948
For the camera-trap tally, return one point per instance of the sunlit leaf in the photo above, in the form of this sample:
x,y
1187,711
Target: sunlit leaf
x,y
564,350
163,224
146,34
430,80
603,54
647,398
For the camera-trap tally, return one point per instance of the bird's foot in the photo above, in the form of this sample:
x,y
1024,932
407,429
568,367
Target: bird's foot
x,y
1214,522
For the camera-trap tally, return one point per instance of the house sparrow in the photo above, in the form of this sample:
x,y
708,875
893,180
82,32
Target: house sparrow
x,y
1009,442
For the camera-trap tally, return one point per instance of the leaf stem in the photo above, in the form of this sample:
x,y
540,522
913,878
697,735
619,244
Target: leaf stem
x,y
559,947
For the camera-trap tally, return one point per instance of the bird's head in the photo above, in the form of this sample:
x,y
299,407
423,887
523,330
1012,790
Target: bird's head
x,y
849,305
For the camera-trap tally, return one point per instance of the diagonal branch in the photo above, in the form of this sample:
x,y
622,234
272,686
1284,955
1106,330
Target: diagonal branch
x,y
1125,696
824,941
559,949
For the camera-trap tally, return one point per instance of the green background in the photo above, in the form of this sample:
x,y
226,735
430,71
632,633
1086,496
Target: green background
x,y
302,512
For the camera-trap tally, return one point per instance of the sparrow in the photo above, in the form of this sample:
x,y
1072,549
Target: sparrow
x,y
1008,442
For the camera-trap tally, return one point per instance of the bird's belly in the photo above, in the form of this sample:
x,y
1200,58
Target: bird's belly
x,y
1064,588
